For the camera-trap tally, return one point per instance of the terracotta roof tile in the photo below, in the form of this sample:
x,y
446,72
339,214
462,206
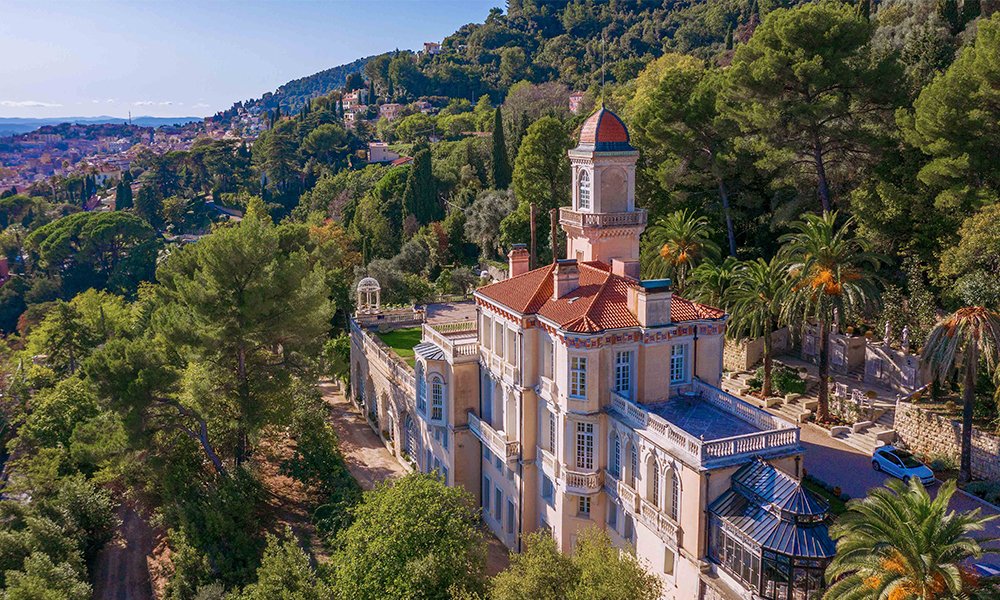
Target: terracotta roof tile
x,y
599,303
603,131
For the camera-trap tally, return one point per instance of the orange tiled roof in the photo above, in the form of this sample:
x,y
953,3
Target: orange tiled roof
x,y
599,303
603,130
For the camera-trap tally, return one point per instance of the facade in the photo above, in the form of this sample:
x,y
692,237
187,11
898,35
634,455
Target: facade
x,y
582,396
390,110
379,152
575,101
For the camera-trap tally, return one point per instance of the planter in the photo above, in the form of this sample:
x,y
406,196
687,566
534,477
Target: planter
x,y
838,430
791,397
810,405
886,437
861,426
773,401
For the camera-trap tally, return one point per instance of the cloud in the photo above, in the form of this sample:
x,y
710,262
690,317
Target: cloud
x,y
153,103
27,104
201,105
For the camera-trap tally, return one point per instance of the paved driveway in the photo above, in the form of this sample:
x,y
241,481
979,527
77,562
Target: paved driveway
x,y
837,463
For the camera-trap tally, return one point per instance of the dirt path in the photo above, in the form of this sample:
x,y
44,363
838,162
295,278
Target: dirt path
x,y
370,462
121,571
366,455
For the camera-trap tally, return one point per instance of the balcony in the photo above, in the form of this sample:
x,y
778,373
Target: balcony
x,y
546,388
495,440
583,483
643,510
457,340
709,428
568,216
549,462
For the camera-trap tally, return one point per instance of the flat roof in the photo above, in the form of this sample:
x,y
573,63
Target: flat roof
x,y
702,419
451,312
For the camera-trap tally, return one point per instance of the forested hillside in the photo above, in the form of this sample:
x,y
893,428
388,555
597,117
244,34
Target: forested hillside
x,y
166,354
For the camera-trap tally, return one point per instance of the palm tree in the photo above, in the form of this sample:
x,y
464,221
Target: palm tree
x,y
831,273
898,543
677,243
754,300
974,333
711,280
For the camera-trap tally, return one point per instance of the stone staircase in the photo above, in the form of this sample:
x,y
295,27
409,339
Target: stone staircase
x,y
879,433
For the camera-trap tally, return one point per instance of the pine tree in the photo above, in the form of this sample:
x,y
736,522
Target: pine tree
x,y
501,163
420,198
865,9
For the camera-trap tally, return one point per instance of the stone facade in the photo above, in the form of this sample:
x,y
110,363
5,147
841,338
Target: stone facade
x,y
930,434
892,368
744,355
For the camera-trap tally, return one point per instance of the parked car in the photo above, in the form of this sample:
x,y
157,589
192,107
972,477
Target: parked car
x,y
902,464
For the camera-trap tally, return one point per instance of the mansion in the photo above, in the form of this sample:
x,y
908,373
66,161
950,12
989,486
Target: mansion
x,y
578,395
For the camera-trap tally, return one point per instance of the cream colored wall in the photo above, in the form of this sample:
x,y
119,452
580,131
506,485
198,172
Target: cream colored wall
x,y
709,363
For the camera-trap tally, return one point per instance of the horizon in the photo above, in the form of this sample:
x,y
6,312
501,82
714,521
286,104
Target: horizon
x,y
152,55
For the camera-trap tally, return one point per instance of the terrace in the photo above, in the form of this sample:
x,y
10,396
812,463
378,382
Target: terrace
x,y
709,428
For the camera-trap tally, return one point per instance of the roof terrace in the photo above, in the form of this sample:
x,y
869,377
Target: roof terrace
x,y
709,428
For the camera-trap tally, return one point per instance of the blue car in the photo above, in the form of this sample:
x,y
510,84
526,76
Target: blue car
x,y
900,463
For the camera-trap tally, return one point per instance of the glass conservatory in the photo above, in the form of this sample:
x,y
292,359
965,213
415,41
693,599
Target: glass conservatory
x,y
770,534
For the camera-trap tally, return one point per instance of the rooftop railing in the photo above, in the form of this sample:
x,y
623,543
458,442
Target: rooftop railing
x,y
455,339
776,434
379,353
585,219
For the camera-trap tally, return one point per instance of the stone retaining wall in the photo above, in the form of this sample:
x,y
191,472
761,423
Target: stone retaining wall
x,y
933,435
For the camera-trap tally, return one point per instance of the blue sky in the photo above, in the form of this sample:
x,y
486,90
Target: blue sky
x,y
194,58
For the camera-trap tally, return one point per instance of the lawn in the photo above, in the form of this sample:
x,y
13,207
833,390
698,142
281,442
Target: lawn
x,y
402,342
837,506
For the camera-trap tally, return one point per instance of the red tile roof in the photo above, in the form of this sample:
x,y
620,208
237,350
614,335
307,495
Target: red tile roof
x,y
604,129
599,303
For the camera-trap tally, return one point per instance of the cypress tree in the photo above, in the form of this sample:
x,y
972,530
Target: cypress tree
x,y
501,163
971,9
123,195
371,91
729,38
419,197
949,12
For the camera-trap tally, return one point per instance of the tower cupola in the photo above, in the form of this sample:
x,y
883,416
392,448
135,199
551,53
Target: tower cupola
x,y
603,223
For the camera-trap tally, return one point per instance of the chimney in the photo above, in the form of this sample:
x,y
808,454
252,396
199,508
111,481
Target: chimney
x,y
625,268
518,259
565,278
650,301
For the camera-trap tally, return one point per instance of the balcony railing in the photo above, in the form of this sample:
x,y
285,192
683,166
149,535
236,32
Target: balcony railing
x,y
583,483
658,521
777,435
394,367
583,219
549,461
495,440
546,388
455,339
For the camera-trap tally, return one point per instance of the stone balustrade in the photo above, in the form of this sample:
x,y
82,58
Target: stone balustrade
x,y
461,348
583,483
584,219
495,440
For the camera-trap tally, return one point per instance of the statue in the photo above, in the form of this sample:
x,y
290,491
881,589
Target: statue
x,y
888,331
906,339
835,325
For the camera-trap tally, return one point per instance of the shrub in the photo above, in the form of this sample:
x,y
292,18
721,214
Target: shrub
x,y
987,490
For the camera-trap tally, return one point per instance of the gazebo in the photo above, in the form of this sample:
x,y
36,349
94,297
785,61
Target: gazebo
x,y
369,296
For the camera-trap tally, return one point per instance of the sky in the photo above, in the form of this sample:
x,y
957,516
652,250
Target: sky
x,y
195,57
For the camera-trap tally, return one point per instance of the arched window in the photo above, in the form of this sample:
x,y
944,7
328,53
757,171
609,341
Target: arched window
x,y
437,399
583,190
654,483
616,457
421,389
675,494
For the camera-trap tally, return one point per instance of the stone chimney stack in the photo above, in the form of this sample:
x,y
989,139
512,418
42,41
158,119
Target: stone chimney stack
x,y
625,268
518,260
650,301
565,278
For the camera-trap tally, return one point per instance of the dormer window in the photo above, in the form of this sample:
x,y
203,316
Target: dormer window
x,y
583,191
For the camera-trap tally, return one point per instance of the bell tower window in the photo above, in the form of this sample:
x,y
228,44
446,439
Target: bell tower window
x,y
583,190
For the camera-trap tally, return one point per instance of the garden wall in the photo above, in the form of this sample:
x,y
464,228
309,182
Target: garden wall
x,y
933,435
743,355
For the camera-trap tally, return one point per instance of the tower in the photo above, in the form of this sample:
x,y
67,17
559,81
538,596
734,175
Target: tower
x,y
603,223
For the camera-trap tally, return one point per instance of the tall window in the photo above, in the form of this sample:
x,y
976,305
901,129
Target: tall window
x,y
675,494
552,433
654,484
583,187
585,446
578,377
485,329
421,389
583,507
633,465
498,338
623,373
678,363
616,457
437,399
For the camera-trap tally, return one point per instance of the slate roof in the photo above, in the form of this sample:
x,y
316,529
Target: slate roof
x,y
775,511
599,303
